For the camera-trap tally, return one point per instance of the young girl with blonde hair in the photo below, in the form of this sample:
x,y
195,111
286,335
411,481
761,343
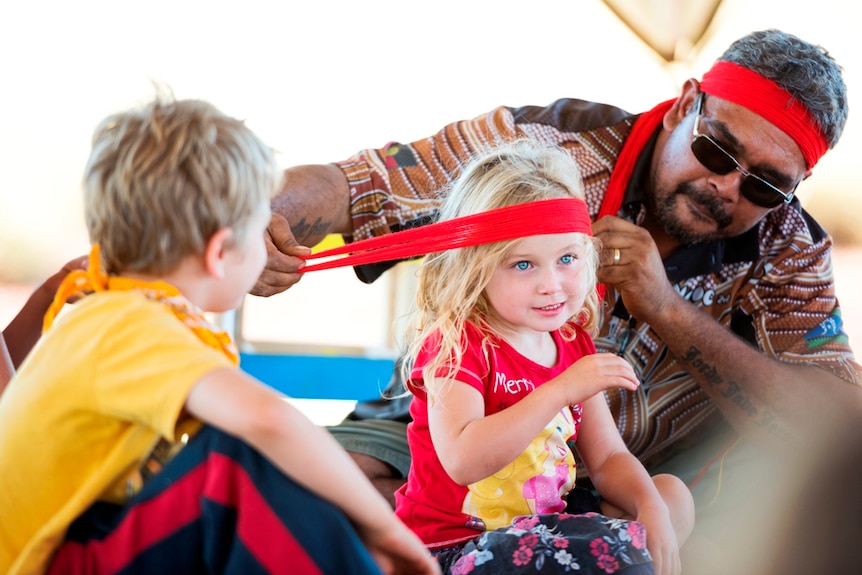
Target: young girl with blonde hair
x,y
507,386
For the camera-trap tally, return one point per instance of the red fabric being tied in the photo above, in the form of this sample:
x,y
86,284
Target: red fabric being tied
x,y
767,99
642,130
555,216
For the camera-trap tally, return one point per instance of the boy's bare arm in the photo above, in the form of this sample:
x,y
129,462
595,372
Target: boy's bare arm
x,y
241,406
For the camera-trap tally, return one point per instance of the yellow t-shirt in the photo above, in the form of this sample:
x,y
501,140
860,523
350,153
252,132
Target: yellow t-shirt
x,y
85,409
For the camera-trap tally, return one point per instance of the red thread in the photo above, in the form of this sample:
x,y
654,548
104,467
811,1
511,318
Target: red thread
x,y
642,130
556,216
767,99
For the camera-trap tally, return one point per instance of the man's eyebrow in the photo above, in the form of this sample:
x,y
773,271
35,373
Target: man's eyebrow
x,y
726,138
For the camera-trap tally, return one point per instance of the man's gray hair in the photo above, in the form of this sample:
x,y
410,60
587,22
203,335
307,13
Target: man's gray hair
x,y
805,70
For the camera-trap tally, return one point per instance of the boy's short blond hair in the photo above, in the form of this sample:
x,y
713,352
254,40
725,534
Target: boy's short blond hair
x,y
163,178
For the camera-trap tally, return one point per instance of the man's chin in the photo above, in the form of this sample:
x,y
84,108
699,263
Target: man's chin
x,y
688,221
693,232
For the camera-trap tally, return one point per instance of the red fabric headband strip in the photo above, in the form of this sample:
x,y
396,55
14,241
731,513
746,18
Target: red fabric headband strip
x,y
765,98
557,216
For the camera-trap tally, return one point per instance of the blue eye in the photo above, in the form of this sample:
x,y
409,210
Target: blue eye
x,y
523,266
567,259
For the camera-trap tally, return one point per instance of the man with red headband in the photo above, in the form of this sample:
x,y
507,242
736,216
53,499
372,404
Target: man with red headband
x,y
720,287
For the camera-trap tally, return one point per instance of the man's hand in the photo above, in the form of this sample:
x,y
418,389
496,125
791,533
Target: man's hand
x,y
631,264
50,286
282,259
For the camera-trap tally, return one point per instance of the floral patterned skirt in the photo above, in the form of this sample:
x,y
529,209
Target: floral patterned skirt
x,y
586,544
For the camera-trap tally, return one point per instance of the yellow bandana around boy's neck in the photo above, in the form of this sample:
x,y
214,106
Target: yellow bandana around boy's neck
x,y
82,282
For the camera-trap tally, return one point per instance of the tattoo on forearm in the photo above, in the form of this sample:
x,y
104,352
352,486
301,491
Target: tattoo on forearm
x,y
698,364
739,399
773,425
733,391
302,230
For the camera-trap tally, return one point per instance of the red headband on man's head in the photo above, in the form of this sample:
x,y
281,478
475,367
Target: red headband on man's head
x,y
543,217
765,98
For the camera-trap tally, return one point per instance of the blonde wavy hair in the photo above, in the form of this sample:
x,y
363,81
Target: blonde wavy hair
x,y
451,284
163,178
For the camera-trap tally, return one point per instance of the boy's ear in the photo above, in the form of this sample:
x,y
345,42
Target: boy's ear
x,y
214,253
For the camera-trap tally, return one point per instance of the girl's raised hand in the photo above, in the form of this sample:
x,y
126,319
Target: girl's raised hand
x,y
594,373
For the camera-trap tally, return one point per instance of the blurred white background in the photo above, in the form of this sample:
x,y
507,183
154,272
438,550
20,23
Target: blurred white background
x,y
320,80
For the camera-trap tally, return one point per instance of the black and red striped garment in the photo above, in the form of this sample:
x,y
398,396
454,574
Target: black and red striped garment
x,y
217,507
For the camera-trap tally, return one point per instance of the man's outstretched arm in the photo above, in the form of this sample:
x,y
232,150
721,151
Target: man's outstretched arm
x,y
314,201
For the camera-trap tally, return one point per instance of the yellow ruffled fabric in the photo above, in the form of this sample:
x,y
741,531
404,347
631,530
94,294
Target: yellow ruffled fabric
x,y
80,283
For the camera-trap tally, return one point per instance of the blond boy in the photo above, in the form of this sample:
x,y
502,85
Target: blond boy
x,y
96,477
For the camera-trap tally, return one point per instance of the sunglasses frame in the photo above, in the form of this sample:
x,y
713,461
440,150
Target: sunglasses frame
x,y
745,190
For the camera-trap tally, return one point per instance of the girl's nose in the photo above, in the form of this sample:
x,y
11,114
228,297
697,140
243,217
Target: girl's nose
x,y
549,281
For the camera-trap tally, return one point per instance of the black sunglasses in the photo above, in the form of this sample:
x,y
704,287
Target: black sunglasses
x,y
718,160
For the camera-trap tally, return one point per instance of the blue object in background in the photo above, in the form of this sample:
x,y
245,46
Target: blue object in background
x,y
320,377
